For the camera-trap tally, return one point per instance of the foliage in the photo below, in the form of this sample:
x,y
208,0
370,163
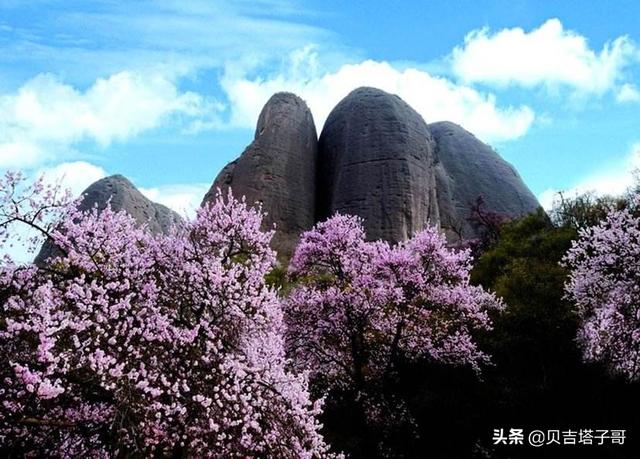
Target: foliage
x,y
605,286
362,310
584,210
538,326
487,223
147,344
128,343
539,378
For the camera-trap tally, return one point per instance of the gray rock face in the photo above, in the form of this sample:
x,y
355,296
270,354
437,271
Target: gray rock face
x,y
124,196
466,168
375,160
278,169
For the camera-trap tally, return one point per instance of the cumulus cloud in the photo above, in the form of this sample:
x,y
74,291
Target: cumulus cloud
x,y
549,55
75,176
185,199
435,98
20,151
628,93
45,116
613,181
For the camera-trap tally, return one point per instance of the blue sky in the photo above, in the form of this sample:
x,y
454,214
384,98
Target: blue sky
x,y
167,92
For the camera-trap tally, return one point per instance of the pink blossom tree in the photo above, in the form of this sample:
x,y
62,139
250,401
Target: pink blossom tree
x,y
133,343
604,284
361,308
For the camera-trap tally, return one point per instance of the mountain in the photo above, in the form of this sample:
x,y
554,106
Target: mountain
x,y
376,158
466,169
122,195
278,170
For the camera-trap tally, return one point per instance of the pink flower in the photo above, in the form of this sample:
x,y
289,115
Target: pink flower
x,y
604,285
361,305
113,336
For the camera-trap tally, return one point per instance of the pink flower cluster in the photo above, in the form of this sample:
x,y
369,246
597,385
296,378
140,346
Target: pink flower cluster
x,y
36,207
604,284
360,306
133,343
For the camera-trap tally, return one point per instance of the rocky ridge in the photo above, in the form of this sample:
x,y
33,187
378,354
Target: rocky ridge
x,y
376,158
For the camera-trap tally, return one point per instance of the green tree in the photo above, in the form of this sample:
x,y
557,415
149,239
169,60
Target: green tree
x,y
539,379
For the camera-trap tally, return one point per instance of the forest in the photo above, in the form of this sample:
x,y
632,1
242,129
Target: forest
x,y
198,343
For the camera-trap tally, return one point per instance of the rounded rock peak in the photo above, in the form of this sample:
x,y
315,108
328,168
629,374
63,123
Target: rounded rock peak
x,y
370,106
449,128
467,169
374,157
122,195
367,97
115,179
283,105
278,169
285,97
113,187
364,91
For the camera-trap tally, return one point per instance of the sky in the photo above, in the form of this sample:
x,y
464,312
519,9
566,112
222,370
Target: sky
x,y
166,92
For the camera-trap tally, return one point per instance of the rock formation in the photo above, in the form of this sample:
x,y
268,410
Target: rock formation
x,y
467,168
375,160
278,169
122,195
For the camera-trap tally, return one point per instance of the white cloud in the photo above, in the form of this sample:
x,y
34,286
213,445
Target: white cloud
x,y
45,116
75,176
613,181
549,55
435,98
628,93
20,152
84,42
548,198
185,199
